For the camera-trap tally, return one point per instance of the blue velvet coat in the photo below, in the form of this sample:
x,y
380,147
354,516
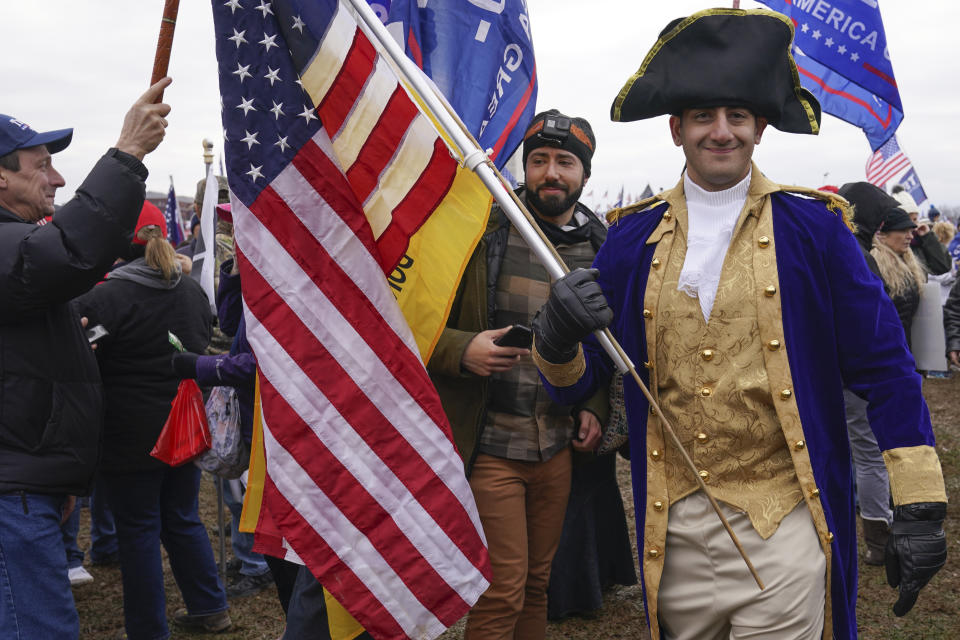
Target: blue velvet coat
x,y
840,329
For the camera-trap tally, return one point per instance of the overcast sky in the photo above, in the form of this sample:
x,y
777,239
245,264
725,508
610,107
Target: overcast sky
x,y
81,63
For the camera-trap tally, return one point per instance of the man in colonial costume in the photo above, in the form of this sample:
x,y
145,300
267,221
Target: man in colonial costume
x,y
751,307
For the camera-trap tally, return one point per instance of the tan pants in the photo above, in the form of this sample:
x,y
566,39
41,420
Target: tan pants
x,y
521,506
707,592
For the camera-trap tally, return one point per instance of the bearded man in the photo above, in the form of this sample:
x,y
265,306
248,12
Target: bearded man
x,y
514,441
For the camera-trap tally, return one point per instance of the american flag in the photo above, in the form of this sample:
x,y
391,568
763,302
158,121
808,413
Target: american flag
x,y
172,214
363,480
886,163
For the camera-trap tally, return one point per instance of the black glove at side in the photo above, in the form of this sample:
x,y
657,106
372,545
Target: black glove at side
x,y
916,550
576,307
184,364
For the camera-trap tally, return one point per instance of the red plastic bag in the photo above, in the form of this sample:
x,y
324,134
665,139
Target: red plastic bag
x,y
185,434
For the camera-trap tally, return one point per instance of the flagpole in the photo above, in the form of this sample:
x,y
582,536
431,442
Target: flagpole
x,y
474,159
161,59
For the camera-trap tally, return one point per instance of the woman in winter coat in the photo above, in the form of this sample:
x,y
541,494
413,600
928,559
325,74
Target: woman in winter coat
x,y
900,270
153,503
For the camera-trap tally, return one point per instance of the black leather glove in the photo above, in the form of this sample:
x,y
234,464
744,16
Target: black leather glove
x,y
576,307
184,364
916,550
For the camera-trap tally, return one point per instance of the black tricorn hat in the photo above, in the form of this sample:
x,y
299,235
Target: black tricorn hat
x,y
722,57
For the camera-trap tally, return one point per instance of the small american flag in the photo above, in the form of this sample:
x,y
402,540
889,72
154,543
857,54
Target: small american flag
x,y
886,163
363,481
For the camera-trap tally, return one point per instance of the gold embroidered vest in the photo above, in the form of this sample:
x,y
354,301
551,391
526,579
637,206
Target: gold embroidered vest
x,y
713,387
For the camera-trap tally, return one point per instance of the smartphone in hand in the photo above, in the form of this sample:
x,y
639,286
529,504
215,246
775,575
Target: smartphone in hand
x,y
518,336
95,333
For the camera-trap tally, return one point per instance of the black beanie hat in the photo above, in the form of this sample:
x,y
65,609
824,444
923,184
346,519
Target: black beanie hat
x,y
553,129
897,220
872,205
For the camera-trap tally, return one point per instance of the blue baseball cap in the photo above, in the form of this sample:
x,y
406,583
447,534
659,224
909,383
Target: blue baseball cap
x,y
15,134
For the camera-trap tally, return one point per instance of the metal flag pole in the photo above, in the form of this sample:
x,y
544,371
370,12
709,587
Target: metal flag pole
x,y
217,480
474,159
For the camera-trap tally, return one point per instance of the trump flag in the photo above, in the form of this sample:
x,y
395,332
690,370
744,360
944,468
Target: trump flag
x,y
841,52
479,53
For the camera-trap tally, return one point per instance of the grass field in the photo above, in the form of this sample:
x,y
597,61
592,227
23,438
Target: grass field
x,y
935,617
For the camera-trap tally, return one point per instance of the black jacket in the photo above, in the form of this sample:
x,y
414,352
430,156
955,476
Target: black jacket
x,y
463,394
51,409
931,254
138,381
907,304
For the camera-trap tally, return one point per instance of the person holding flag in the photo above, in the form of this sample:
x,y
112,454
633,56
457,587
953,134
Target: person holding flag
x,y
51,409
751,306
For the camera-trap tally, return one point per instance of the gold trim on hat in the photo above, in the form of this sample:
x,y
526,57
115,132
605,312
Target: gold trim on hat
x,y
686,22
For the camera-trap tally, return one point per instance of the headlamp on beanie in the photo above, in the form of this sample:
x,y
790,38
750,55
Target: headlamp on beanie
x,y
553,129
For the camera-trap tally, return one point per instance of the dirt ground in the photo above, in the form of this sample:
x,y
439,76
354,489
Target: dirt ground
x,y
935,617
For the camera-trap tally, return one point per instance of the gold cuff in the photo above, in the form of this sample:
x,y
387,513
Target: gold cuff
x,y
561,375
915,475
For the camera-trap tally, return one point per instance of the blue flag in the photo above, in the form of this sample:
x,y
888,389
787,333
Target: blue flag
x,y
381,8
911,183
479,53
172,215
841,53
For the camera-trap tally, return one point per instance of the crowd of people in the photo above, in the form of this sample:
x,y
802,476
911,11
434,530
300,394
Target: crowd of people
x,y
773,328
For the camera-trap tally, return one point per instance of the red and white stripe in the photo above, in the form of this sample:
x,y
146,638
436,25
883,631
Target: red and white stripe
x,y
398,166
363,479
880,171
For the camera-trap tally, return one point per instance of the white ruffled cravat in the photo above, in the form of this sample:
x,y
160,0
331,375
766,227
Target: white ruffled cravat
x,y
711,218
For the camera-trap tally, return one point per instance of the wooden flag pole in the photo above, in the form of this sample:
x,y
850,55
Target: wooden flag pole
x,y
165,42
474,159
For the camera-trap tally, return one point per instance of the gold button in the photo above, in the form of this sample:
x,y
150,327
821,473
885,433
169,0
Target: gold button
x,y
655,454
656,263
763,241
702,437
773,345
785,394
707,354
705,475
829,536
658,505
667,215
815,493
706,392
647,364
652,411
653,553
647,313
770,291
799,444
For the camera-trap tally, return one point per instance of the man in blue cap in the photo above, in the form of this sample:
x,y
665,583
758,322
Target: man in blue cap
x,y
751,307
50,394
